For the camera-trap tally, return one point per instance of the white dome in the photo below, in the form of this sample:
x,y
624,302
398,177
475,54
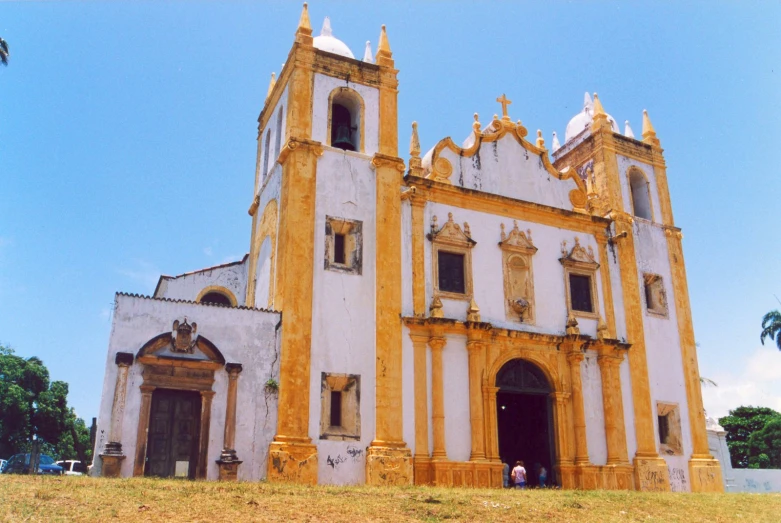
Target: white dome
x,y
583,120
327,42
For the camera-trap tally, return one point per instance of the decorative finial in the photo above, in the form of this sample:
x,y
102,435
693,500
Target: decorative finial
x,y
503,235
598,109
572,325
649,133
588,105
540,140
435,309
367,55
271,85
476,125
326,30
304,27
628,130
505,102
414,142
473,311
384,55
555,143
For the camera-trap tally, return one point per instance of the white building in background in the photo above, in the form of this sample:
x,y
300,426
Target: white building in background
x,y
423,321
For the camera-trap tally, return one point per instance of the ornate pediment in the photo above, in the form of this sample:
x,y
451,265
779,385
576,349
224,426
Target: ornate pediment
x,y
451,232
517,240
578,256
181,343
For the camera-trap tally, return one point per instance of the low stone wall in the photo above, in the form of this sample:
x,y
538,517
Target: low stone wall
x,y
739,480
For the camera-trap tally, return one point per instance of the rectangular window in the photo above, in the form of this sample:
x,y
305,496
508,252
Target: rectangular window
x,y
451,272
336,408
339,248
655,296
580,293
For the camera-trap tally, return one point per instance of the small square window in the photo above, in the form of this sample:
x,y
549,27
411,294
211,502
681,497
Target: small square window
x,y
340,409
655,295
451,272
580,293
343,245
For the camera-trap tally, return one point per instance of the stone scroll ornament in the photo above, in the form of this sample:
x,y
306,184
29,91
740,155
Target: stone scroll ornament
x,y
183,336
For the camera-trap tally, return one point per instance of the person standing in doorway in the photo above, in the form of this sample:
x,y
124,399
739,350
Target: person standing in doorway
x,y
506,475
519,475
543,476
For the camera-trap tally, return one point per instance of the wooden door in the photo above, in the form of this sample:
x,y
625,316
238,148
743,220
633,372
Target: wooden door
x,y
174,424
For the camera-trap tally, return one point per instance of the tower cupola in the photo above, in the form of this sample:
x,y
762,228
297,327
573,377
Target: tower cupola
x,y
328,42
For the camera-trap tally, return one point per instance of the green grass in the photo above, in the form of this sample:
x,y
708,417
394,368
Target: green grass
x,y
95,499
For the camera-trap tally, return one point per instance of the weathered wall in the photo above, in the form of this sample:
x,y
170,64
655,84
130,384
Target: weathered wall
x,y
595,414
739,480
343,321
455,370
549,292
246,336
232,276
505,167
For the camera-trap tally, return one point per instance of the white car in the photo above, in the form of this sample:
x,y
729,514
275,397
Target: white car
x,y
72,467
2,464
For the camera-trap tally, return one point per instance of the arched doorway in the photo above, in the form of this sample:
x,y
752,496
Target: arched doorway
x,y
524,415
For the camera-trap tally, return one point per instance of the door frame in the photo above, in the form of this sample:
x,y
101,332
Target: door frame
x,y
194,452
187,374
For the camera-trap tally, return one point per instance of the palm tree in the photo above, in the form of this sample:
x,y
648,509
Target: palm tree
x,y
3,52
771,327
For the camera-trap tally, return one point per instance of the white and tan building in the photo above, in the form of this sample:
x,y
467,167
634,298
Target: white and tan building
x,y
421,321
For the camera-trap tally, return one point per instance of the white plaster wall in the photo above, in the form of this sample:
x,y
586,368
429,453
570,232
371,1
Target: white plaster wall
x,y
242,336
371,103
488,278
232,276
455,369
663,351
740,480
591,378
272,126
624,163
263,273
270,191
504,167
343,319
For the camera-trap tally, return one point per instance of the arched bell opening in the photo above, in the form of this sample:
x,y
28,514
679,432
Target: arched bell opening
x,y
346,120
524,418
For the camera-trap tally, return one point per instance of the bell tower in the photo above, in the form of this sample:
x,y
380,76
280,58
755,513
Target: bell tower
x,y
326,252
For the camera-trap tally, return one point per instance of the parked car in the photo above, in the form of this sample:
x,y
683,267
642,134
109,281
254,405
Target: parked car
x,y
20,464
2,465
72,467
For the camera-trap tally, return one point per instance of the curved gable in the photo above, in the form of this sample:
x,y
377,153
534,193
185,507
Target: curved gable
x,y
500,160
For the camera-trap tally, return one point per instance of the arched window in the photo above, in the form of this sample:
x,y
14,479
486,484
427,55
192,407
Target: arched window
x,y
641,198
216,298
278,134
266,154
346,120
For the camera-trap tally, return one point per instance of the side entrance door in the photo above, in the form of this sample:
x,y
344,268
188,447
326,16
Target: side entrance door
x,y
172,448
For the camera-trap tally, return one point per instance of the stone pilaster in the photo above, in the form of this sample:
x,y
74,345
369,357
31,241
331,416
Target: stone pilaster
x,y
229,462
112,455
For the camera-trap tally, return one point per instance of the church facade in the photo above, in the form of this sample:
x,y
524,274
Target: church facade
x,y
421,321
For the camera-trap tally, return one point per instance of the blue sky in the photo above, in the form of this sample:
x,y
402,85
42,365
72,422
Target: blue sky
x,y
127,144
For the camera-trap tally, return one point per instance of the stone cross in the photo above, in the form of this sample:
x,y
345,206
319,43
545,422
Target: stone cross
x,y
505,102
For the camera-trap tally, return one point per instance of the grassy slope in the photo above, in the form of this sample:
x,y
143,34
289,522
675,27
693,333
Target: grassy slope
x,y
89,499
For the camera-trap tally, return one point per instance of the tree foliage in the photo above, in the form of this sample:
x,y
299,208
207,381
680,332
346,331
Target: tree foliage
x,y
741,424
771,328
32,405
765,446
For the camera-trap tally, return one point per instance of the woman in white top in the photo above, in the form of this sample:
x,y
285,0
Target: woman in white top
x,y
519,475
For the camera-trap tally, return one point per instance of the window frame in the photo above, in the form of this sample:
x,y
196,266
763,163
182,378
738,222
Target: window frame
x,y
348,98
673,444
352,230
349,388
451,238
518,245
664,307
580,262
636,172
